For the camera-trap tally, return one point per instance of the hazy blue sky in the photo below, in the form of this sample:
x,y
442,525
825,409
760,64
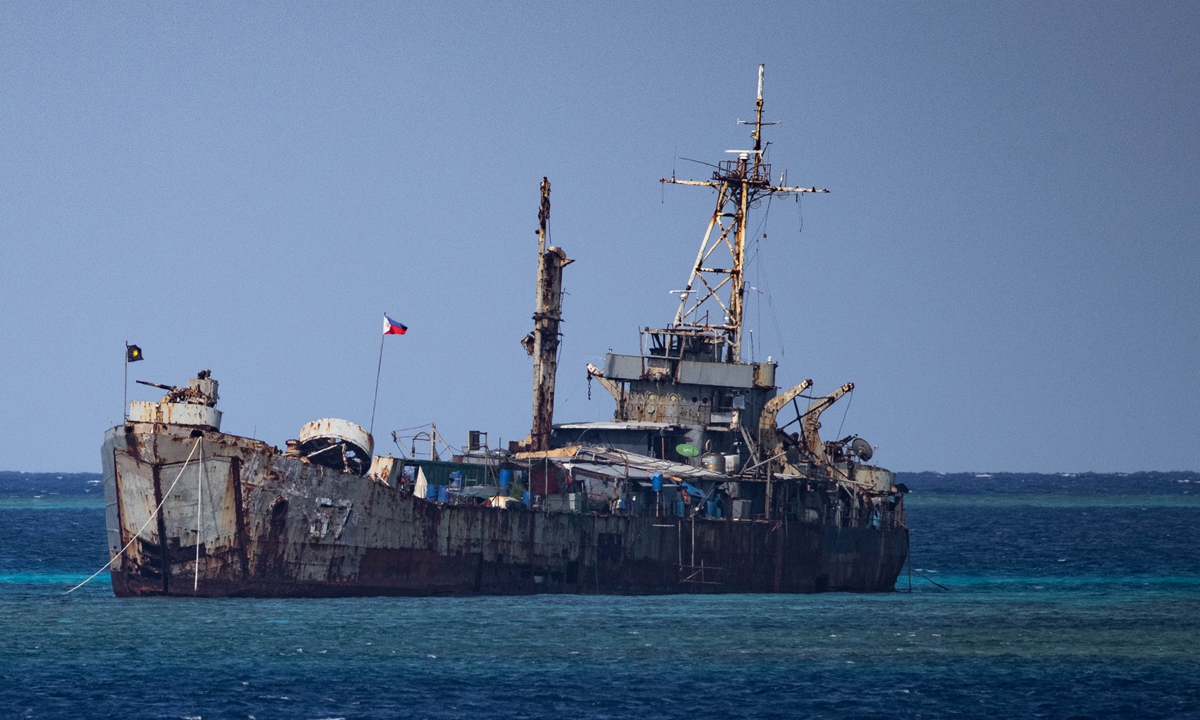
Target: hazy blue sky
x,y
1007,264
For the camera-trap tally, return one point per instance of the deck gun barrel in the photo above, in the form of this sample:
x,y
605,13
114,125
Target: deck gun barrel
x,y
169,388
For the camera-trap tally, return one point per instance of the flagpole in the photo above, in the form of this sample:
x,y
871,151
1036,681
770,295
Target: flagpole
x,y
125,397
378,368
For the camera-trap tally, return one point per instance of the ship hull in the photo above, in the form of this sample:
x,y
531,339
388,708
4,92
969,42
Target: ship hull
x,y
204,513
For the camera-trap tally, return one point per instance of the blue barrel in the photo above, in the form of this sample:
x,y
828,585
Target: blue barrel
x,y
656,481
505,479
710,508
527,498
441,493
431,491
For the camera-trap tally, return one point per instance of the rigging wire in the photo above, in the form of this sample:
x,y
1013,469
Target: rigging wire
x,y
755,352
844,414
775,319
763,223
766,281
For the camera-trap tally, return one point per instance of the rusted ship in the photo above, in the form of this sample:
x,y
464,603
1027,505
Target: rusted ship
x,y
696,485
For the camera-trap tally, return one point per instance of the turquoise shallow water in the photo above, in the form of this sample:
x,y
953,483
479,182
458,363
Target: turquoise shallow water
x,y
1064,600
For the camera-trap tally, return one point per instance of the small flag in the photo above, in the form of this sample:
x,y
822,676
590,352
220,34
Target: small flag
x,y
133,353
391,327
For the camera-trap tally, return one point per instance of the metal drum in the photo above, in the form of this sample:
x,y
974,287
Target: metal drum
x,y
713,462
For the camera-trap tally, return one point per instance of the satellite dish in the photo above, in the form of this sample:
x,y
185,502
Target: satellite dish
x,y
686,450
862,449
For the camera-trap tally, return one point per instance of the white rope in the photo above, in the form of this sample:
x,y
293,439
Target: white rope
x,y
199,505
143,527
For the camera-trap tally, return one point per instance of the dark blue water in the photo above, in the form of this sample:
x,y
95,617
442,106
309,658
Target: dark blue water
x,y
1067,597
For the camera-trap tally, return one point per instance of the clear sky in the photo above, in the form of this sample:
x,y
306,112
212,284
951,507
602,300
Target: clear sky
x,y
1006,267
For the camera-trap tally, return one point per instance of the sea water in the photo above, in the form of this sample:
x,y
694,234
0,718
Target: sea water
x,y
1031,596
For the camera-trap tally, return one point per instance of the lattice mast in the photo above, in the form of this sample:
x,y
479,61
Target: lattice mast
x,y
740,184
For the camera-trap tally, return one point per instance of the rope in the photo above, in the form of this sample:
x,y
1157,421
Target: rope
x,y
143,527
923,577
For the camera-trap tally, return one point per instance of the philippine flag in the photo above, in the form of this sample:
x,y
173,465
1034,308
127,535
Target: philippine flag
x,y
391,327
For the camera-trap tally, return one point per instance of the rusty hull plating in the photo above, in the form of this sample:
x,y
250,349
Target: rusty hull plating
x,y
279,526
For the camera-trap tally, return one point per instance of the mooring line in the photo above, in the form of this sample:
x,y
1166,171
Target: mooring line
x,y
935,582
144,526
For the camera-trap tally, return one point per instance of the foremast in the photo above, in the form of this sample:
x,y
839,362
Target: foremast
x,y
740,184
543,343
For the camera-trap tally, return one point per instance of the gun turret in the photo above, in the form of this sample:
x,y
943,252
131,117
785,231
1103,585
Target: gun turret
x,y
201,390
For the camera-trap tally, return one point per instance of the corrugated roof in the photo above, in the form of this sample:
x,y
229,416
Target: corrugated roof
x,y
617,463
610,425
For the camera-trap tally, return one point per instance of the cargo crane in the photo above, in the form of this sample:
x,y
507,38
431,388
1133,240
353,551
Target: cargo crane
x,y
811,422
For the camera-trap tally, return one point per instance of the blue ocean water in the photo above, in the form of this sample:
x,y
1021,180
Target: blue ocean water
x,y
1065,597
